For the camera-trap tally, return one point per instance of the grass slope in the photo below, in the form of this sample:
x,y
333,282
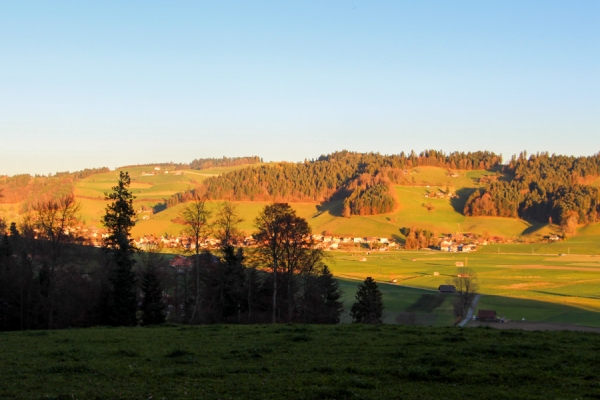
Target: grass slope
x,y
298,362
535,287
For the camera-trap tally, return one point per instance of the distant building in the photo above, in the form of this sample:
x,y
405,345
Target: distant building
x,y
447,289
486,315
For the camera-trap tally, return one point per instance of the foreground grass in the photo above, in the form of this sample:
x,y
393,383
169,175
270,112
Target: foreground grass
x,y
298,362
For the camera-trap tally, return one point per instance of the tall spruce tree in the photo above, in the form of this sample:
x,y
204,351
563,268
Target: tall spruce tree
x,y
118,220
153,307
331,296
368,308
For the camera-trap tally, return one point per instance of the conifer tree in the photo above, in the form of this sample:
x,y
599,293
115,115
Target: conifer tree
x,y
153,307
119,219
331,295
368,308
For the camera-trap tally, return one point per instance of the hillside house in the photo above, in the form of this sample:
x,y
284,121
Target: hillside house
x,y
180,263
486,316
447,289
445,245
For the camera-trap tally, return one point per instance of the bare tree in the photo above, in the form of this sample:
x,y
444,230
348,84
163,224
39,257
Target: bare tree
x,y
196,216
284,243
227,223
53,218
465,282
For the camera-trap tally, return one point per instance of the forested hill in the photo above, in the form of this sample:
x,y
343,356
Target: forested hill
x,y
28,189
545,188
363,179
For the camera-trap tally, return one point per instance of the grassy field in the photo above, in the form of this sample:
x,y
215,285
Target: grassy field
x,y
535,287
404,305
298,362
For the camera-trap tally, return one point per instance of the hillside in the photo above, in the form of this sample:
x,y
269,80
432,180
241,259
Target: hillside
x,y
342,193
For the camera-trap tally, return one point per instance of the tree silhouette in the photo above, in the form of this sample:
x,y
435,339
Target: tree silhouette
x,y
119,219
368,308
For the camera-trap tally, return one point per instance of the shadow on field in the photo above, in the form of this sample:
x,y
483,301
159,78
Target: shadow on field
x,y
333,208
533,227
420,312
426,303
458,203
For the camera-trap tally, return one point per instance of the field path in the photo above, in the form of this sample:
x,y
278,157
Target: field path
x,y
470,312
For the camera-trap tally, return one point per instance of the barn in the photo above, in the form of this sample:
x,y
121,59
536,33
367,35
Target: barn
x,y
487,315
447,289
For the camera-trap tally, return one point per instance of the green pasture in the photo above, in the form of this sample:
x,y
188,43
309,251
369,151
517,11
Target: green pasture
x,y
586,241
518,309
556,284
298,362
428,308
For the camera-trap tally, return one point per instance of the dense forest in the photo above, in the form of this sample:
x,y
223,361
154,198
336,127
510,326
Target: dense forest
x,y
363,180
546,188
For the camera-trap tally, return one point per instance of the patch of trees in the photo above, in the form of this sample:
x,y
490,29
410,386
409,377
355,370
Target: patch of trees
x,y
417,238
205,163
545,188
364,179
376,199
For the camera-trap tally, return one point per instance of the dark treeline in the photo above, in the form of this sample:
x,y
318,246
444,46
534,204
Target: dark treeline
x,y
49,280
73,293
203,163
363,179
546,188
30,189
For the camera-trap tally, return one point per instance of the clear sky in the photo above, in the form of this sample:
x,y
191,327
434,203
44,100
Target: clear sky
x,y
108,83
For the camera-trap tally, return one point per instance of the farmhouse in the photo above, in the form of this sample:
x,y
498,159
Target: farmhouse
x,y
447,289
180,263
486,315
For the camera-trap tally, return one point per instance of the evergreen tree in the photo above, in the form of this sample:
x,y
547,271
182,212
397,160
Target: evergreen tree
x,y
153,307
331,296
368,308
119,219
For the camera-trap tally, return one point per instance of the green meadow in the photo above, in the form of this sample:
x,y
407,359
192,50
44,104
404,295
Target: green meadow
x,y
548,288
298,362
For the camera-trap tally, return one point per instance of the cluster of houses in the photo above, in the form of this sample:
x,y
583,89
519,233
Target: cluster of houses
x,y
459,243
321,242
440,195
158,170
335,242
184,242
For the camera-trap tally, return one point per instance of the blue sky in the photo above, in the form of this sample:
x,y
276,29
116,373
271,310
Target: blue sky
x,y
90,84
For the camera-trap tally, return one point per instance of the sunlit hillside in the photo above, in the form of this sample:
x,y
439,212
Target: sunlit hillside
x,y
442,215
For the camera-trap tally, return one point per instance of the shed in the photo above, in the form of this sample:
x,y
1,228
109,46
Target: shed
x,y
447,289
486,315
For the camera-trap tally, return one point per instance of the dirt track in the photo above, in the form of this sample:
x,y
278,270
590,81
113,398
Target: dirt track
x,y
534,326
